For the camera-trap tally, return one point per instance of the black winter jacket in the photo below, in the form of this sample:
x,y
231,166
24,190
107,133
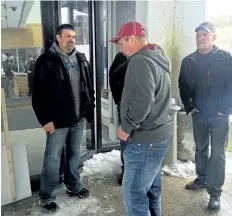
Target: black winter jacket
x,y
52,97
209,91
117,75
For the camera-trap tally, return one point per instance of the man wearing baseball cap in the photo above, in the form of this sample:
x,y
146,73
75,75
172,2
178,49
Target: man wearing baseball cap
x,y
205,84
146,124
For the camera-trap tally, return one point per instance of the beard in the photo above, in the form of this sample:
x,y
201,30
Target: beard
x,y
70,46
202,46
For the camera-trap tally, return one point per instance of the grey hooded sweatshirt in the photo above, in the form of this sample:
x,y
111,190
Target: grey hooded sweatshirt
x,y
146,98
72,68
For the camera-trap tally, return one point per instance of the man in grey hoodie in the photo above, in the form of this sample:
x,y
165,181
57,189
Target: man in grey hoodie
x,y
146,125
62,96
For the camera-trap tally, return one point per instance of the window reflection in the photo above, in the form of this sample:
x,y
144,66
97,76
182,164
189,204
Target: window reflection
x,y
21,45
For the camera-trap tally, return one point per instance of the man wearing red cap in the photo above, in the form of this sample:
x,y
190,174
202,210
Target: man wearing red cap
x,y
146,124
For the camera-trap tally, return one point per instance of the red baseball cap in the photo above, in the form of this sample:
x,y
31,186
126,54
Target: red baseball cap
x,y
128,29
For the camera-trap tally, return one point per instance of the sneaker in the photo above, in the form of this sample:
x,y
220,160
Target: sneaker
x,y
214,202
51,207
81,194
195,185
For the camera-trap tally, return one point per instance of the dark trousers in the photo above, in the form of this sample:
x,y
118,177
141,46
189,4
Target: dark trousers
x,y
210,162
122,143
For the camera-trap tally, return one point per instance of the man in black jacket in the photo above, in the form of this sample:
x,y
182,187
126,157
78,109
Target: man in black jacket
x,y
116,79
62,96
205,84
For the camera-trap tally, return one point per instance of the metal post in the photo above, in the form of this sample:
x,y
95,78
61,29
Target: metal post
x,y
171,157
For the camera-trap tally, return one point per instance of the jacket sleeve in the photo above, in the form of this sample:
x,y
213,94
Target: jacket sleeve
x,y
227,105
43,92
140,87
186,87
88,90
118,60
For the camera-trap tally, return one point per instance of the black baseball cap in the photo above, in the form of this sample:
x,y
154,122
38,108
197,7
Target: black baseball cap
x,y
208,26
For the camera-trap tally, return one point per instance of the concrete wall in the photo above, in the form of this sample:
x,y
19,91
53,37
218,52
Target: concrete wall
x,y
160,24
184,23
171,24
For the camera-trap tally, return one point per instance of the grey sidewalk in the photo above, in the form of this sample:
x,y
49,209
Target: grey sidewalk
x,y
106,200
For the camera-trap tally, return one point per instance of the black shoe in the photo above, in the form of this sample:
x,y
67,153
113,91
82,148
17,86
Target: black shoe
x,y
81,194
195,185
51,207
214,202
120,179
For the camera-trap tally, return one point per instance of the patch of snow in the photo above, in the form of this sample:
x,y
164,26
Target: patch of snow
x,y
181,170
101,166
72,206
187,169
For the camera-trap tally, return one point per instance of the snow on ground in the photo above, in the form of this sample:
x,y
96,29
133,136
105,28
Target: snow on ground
x,y
73,206
102,166
187,169
105,165
181,170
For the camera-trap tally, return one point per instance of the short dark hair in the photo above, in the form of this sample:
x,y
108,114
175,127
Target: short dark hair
x,y
62,27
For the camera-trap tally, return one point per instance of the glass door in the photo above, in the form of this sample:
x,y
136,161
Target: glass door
x,y
78,14
110,15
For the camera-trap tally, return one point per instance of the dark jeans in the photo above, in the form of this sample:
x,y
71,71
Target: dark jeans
x,y
50,172
122,143
210,165
142,178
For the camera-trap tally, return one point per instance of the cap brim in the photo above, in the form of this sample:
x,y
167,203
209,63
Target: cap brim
x,y
115,39
202,27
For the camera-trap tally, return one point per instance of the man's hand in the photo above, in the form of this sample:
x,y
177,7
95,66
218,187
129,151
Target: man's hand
x,y
49,127
194,111
220,114
122,135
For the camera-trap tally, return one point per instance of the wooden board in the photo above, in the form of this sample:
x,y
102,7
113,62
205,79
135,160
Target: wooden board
x,y
8,145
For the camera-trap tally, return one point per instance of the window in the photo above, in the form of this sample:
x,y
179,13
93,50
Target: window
x,y
21,45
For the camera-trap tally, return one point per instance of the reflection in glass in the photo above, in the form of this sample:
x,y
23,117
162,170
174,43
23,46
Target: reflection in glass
x,y
21,45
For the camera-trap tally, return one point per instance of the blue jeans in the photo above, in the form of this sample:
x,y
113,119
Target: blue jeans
x,y
210,166
142,178
54,146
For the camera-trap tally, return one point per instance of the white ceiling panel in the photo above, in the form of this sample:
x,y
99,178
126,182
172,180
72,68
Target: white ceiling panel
x,y
16,13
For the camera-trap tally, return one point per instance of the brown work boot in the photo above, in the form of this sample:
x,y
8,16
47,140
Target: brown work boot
x,y
195,185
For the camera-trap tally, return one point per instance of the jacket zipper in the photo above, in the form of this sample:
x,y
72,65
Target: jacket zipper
x,y
71,91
